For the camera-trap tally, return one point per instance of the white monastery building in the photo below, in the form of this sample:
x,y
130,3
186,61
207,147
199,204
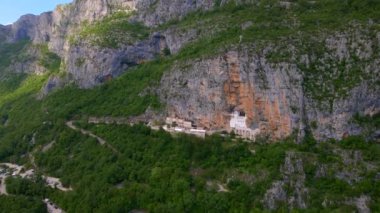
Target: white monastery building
x,y
238,124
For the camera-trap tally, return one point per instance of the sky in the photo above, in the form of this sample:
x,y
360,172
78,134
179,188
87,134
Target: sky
x,y
11,10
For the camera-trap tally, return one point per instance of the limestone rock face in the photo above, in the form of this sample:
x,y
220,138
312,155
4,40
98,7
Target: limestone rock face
x,y
275,195
176,39
4,32
208,91
90,66
54,27
338,122
54,82
153,12
361,203
278,97
36,28
28,62
293,178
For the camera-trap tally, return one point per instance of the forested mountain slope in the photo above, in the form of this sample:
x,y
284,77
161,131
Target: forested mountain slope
x,y
304,73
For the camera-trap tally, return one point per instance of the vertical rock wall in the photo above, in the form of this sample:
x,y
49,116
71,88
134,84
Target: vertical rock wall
x,y
210,90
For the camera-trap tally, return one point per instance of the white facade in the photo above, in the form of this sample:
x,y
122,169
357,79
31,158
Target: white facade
x,y
178,129
238,121
180,125
238,124
198,132
178,122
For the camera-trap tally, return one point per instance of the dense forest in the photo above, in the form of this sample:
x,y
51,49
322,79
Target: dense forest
x,y
157,172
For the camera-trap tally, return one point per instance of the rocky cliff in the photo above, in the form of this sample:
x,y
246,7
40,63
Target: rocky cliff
x,y
279,97
296,84
3,32
86,63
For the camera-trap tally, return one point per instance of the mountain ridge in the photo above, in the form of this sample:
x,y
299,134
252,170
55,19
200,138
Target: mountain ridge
x,y
94,54
281,101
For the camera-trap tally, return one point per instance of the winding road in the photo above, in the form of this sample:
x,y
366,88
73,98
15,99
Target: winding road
x,y
9,169
100,140
16,170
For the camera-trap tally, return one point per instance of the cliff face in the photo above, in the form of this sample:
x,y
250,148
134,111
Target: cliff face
x,y
322,82
3,32
36,28
274,71
89,64
208,91
154,13
278,97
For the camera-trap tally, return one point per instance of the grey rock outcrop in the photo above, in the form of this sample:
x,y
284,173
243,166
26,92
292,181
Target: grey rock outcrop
x,y
293,179
361,203
54,82
352,161
337,123
4,33
28,61
35,28
207,91
176,39
154,13
276,96
275,195
89,65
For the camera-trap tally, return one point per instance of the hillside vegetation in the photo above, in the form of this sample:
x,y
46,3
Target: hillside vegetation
x,y
155,171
